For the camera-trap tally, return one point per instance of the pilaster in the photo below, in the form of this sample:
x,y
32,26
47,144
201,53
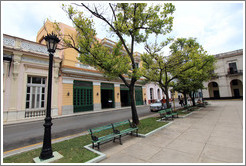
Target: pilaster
x,y
96,96
117,95
14,83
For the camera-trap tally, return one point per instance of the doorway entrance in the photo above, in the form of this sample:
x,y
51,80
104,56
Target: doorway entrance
x,y
124,96
236,93
107,95
216,94
236,88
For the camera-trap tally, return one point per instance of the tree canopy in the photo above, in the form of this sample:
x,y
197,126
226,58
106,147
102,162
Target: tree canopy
x,y
187,57
132,23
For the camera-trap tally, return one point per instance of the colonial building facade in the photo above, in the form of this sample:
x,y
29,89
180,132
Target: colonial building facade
x,y
82,87
229,80
155,93
25,71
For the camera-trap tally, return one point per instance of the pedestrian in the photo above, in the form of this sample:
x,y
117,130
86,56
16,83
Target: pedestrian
x,y
145,101
163,101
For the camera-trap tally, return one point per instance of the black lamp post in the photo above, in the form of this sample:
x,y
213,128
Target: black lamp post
x,y
51,42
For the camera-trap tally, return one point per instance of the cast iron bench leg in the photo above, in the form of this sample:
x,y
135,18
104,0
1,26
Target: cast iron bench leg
x,y
120,140
98,145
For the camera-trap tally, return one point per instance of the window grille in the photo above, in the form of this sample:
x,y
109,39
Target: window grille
x,y
35,96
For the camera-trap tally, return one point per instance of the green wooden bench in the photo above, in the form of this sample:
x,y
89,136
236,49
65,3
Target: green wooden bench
x,y
201,104
188,107
167,113
123,128
98,135
205,102
111,132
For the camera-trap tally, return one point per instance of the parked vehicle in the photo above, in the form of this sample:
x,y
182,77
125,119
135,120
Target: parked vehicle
x,y
157,106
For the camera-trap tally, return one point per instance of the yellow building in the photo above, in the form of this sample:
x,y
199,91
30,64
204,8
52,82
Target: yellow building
x,y
82,87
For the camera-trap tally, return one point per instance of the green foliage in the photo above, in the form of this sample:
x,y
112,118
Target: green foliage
x,y
188,63
134,20
203,66
132,23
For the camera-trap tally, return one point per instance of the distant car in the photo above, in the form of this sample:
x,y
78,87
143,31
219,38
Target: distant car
x,y
157,106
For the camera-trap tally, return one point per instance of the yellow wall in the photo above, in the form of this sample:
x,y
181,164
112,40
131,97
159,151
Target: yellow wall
x,y
144,92
116,97
67,100
49,27
69,55
96,89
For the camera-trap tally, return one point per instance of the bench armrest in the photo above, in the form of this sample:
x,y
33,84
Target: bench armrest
x,y
94,138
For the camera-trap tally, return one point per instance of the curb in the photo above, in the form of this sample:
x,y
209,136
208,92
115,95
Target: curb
x,y
101,156
64,116
186,115
152,132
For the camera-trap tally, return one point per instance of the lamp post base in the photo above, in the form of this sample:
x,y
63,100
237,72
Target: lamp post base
x,y
56,156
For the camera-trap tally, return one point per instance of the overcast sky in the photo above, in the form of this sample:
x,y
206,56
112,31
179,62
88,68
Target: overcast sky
x,y
218,26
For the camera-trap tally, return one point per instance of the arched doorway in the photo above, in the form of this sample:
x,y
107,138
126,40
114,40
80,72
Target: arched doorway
x,y
213,89
236,88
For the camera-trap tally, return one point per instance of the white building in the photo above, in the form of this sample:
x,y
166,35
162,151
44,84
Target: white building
x,y
229,80
154,93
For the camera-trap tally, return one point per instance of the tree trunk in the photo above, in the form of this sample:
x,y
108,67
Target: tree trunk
x,y
192,98
133,105
185,98
167,97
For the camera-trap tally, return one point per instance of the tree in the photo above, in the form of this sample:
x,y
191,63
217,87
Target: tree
x,y
192,80
165,69
132,23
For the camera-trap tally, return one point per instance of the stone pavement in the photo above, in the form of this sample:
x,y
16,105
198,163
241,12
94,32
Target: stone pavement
x,y
212,135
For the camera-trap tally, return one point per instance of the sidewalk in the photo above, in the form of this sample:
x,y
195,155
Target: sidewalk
x,y
212,135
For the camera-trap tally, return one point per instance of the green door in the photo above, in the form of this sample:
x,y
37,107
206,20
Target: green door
x,y
138,95
82,96
125,97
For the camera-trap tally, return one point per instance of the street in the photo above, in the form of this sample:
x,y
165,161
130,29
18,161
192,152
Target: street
x,y
27,133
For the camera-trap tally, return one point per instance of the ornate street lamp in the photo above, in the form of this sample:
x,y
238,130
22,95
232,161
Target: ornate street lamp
x,y
51,42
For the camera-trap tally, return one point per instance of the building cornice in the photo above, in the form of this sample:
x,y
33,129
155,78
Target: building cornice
x,y
229,54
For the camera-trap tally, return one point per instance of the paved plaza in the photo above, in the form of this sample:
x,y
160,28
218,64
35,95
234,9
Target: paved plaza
x,y
211,135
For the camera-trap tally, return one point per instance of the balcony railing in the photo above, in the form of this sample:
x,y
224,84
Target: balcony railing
x,y
234,72
34,113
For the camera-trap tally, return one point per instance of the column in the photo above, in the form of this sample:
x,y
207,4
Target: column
x,y
96,96
67,97
144,95
12,111
117,95
54,104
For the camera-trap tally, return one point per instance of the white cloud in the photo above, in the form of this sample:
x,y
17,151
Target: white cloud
x,y
217,26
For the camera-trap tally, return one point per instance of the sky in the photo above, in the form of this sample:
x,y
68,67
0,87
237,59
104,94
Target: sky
x,y
218,26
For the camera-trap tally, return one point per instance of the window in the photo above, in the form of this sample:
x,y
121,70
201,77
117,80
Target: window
x,y
233,68
151,93
35,93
